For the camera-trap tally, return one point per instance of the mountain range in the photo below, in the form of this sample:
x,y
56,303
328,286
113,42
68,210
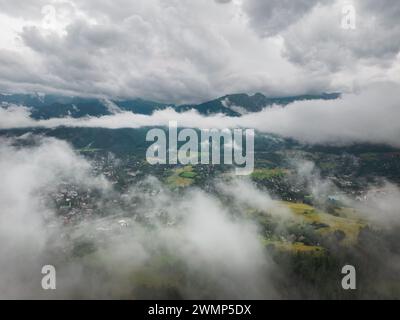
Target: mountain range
x,y
56,106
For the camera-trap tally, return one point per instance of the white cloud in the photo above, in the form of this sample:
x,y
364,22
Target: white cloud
x,y
245,194
272,17
177,51
213,247
27,174
190,51
370,116
380,205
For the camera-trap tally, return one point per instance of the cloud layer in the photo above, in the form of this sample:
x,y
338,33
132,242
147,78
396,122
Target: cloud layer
x,y
190,51
188,245
370,116
207,247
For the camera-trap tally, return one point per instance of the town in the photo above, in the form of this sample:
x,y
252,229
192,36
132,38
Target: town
x,y
188,153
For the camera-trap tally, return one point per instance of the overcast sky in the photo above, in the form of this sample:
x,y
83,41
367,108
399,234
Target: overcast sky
x,y
193,50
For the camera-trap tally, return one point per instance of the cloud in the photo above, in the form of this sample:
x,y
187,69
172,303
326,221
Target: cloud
x,y
244,194
313,38
178,52
27,174
96,257
153,242
23,9
312,27
273,17
191,51
380,205
366,117
308,174
317,41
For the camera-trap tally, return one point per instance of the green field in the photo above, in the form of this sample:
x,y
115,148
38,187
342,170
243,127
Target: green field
x,y
296,247
267,174
350,225
181,177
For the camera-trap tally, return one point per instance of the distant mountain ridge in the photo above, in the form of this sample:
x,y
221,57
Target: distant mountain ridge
x,y
56,106
238,104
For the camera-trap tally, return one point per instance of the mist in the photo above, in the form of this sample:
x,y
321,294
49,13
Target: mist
x,y
153,242
186,245
369,116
